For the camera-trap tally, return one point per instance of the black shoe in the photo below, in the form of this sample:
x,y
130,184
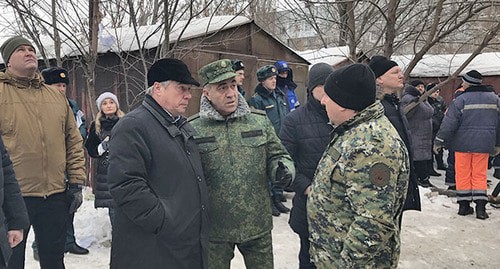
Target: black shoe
x,y
442,167
434,173
424,183
76,249
274,210
452,188
481,209
281,207
283,199
35,255
481,215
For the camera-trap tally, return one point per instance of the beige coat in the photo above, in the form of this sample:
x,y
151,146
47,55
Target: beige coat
x,y
41,136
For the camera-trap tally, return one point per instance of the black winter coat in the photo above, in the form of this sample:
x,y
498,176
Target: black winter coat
x,y
100,183
14,215
305,134
395,115
159,191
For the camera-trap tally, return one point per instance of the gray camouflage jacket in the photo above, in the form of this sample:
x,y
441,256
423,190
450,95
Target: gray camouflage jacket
x,y
358,194
239,155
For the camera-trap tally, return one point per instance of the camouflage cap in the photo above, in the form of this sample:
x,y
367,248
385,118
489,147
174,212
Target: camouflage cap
x,y
217,71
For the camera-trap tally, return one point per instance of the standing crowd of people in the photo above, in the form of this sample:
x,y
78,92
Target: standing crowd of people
x,y
184,192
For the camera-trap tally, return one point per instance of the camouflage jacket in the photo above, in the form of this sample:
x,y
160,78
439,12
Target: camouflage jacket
x,y
358,194
240,155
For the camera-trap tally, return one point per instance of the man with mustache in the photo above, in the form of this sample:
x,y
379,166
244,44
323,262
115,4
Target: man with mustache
x,y
240,152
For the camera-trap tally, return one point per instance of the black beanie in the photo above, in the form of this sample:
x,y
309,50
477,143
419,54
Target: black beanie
x,y
380,65
318,74
473,77
352,87
416,82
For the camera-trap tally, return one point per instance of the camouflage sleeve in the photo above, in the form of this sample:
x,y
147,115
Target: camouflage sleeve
x,y
275,152
373,201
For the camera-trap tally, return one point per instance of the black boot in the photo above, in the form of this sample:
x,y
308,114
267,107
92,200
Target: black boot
x,y
274,210
76,249
279,205
464,208
424,182
481,209
433,173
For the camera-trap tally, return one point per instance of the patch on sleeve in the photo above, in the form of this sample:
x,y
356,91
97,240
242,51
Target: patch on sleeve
x,y
379,174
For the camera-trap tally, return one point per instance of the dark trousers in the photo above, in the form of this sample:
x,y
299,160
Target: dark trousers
x,y
48,216
449,179
70,235
304,257
422,169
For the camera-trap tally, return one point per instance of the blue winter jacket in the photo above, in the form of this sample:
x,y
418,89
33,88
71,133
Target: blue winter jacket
x,y
472,122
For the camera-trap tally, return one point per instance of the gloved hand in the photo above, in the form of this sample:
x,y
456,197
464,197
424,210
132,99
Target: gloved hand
x,y
496,152
104,146
74,194
437,148
283,176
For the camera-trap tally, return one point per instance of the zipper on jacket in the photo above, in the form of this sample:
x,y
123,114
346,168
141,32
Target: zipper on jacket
x,y
229,145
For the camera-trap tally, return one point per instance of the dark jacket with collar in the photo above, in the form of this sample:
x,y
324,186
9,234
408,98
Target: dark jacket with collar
x,y
276,108
13,215
471,123
156,179
395,115
100,183
419,124
305,134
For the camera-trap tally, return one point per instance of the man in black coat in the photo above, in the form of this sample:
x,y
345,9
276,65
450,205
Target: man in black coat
x,y
156,179
306,133
390,81
13,216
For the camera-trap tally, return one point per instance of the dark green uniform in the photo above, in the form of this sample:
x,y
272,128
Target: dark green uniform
x,y
358,194
240,154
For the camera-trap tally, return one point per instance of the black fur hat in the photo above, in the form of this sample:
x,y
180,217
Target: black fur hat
x,y
53,75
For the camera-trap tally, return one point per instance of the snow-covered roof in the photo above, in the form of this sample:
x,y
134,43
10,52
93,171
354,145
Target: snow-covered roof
x,y
442,65
331,56
150,36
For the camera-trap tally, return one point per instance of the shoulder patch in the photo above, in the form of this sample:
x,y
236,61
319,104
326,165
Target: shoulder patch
x,y
193,117
258,111
379,174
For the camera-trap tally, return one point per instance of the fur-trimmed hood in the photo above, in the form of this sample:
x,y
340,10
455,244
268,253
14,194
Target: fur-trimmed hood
x,y
207,111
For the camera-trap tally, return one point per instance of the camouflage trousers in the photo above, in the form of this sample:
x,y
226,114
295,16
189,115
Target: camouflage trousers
x,y
257,253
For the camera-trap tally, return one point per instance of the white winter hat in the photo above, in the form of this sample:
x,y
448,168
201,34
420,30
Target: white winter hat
x,y
104,96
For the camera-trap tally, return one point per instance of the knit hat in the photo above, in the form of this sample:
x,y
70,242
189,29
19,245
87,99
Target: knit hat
x,y
281,66
473,77
430,86
318,74
104,96
53,75
266,72
170,69
11,44
380,65
352,87
237,65
416,82
216,72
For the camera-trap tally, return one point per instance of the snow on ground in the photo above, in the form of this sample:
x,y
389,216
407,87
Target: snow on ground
x,y
435,238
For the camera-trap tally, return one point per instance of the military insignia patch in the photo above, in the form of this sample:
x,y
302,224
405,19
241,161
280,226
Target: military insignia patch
x,y
379,174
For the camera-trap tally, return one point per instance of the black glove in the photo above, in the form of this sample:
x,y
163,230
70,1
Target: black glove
x,y
283,176
74,194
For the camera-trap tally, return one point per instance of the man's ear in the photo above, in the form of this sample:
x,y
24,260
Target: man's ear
x,y
379,81
206,92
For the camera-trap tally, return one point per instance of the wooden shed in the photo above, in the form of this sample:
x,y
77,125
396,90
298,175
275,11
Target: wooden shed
x,y
120,71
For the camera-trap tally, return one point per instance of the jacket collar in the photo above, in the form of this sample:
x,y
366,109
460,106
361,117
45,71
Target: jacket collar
x,y
265,93
479,88
22,82
207,111
174,127
374,111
